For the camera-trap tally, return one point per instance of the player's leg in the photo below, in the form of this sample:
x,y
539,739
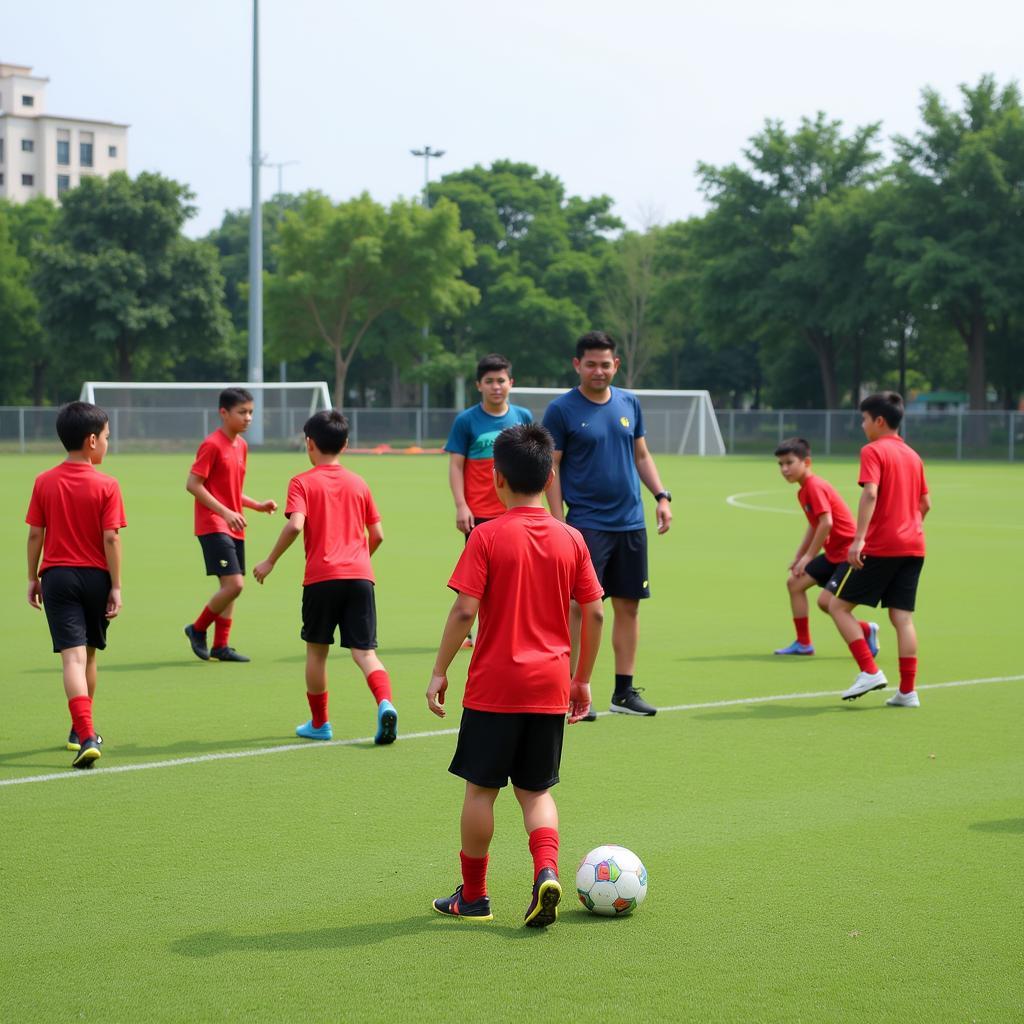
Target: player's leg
x,y
906,640
476,827
225,559
625,642
358,621
797,587
223,603
870,677
319,726
76,689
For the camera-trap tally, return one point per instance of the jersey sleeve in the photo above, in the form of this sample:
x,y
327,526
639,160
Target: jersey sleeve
x,y
870,466
585,587
204,460
112,516
817,497
470,575
459,438
523,415
638,417
554,422
35,515
372,515
296,500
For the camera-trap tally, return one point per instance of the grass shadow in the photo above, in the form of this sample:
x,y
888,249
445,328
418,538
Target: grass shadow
x,y
777,659
775,712
1012,826
104,666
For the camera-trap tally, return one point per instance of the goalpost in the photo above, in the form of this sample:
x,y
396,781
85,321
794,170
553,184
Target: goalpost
x,y
677,422
152,413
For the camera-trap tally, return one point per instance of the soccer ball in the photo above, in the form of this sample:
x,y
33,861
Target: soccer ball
x,y
611,881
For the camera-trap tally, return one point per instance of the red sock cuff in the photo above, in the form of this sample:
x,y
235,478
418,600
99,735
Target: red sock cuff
x,y
379,683
318,708
544,847
908,674
474,877
221,631
205,620
803,630
862,655
81,717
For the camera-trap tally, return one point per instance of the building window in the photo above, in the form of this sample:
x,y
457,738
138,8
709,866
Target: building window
x,y
85,149
1,177
28,101
63,152
28,179
27,146
63,183
1,150
111,150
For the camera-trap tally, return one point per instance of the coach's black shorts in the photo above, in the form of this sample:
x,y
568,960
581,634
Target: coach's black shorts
x,y
348,604
75,602
891,582
620,561
821,570
224,555
494,747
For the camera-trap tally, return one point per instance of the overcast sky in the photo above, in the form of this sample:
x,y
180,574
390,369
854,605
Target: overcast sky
x,y
620,98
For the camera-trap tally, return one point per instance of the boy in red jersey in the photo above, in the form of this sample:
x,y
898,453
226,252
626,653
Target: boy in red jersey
x,y
519,571
333,509
215,481
887,552
829,525
74,517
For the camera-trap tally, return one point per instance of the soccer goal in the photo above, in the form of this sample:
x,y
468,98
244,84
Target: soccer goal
x,y
153,415
677,422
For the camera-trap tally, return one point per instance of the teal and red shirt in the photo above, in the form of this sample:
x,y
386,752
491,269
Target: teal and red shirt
x,y
473,435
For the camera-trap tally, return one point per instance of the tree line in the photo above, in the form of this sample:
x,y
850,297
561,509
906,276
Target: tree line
x,y
821,267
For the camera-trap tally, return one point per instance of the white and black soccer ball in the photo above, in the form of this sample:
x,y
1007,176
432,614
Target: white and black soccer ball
x,y
611,881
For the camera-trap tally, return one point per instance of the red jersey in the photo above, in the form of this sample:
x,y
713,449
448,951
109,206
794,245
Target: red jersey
x,y
221,464
74,503
338,507
816,497
895,529
523,566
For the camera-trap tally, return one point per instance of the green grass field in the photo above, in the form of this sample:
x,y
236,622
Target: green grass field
x,y
809,860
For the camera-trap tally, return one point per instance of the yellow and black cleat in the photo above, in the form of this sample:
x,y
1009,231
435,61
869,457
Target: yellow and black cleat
x,y
543,908
88,753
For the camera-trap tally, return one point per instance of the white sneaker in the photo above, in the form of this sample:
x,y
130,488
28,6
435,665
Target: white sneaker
x,y
904,700
865,683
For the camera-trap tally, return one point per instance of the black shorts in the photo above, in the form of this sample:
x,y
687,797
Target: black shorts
x,y
821,570
224,555
620,561
494,747
891,582
476,523
75,602
348,604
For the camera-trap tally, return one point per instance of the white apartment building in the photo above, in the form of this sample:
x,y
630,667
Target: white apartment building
x,y
43,154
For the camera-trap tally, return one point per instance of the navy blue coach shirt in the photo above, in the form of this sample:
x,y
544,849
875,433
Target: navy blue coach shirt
x,y
598,473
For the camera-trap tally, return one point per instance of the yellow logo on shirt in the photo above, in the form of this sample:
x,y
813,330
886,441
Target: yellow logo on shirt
x,y
624,421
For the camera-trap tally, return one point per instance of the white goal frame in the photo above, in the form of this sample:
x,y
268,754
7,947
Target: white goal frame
x,y
318,388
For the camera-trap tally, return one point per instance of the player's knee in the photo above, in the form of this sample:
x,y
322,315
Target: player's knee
x,y
232,585
825,601
793,584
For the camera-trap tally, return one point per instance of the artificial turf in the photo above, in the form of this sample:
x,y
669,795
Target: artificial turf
x,y
809,860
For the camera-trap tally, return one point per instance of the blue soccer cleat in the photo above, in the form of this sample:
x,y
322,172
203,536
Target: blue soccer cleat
x,y
308,732
387,723
873,645
796,648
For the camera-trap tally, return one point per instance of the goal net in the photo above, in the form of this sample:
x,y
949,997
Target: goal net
x,y
150,415
677,422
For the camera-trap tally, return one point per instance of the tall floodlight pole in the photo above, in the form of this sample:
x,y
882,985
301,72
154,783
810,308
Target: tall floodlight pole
x,y
426,152
256,240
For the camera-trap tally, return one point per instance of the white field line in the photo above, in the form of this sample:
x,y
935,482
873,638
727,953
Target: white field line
x,y
285,748
734,500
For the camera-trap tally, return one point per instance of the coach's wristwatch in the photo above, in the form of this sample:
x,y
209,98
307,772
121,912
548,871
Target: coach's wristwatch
x,y
667,495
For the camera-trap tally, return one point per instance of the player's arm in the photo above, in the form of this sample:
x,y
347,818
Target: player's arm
x,y
648,473
457,482
35,551
291,529
865,510
374,536
814,543
555,490
196,486
590,643
269,506
112,551
456,629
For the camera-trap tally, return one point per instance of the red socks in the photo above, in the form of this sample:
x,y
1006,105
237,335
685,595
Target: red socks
x,y
865,628
379,683
908,673
803,631
861,654
544,847
205,620
221,631
318,708
474,876
81,717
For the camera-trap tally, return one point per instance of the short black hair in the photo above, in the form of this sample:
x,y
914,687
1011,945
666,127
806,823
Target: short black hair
x,y
76,421
230,397
489,364
594,340
887,404
798,446
328,430
523,455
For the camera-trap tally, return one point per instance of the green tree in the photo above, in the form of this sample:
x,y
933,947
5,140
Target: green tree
x,y
121,286
19,315
341,267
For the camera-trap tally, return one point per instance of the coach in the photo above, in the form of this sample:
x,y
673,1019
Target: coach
x,y
602,457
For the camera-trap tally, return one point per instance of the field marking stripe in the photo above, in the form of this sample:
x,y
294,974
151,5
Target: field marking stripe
x,y
284,748
734,500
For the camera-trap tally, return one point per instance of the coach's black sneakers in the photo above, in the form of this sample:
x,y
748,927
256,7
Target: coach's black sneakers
x,y
88,752
590,716
227,654
455,906
543,908
198,642
73,743
629,702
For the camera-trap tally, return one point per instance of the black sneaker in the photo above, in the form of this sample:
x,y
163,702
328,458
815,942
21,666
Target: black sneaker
x,y
73,743
227,654
198,642
88,752
590,716
631,703
453,906
543,908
